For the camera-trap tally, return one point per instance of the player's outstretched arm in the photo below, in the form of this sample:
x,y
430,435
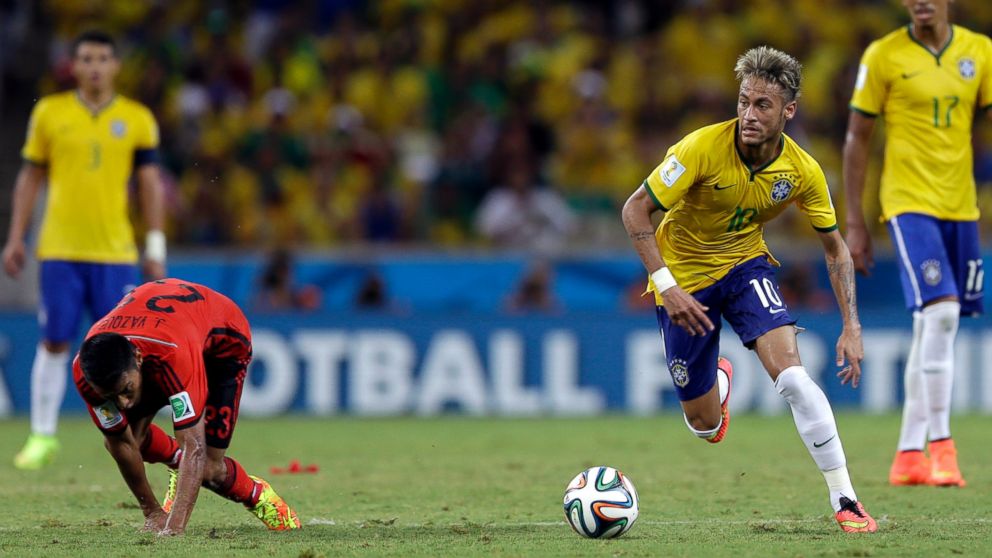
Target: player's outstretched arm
x,y
684,310
194,446
152,196
125,451
840,269
859,130
29,181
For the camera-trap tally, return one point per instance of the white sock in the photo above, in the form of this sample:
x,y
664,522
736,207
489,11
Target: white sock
x,y
724,383
839,484
818,430
704,434
940,325
48,380
915,418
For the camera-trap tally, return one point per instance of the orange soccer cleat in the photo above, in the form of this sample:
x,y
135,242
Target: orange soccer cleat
x,y
944,464
853,518
273,510
724,364
909,468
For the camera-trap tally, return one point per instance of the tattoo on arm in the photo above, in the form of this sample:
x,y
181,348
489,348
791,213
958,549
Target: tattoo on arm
x,y
638,236
842,278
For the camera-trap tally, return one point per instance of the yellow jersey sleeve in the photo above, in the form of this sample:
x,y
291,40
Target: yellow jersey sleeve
x,y
814,200
37,145
682,167
870,87
985,88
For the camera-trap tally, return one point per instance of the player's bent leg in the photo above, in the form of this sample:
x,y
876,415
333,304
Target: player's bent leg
x,y
703,415
228,478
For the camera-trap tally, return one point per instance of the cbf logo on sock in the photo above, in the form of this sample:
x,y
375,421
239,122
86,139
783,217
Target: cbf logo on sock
x,y
182,407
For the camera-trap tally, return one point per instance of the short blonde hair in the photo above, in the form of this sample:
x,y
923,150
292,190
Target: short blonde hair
x,y
773,66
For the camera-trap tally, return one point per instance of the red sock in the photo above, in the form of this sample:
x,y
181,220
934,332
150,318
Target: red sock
x,y
159,447
238,486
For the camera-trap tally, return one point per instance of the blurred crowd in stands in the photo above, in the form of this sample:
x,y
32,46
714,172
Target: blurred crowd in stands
x,y
454,123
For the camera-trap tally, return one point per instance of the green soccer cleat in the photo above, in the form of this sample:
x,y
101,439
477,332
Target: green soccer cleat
x,y
273,510
38,452
170,494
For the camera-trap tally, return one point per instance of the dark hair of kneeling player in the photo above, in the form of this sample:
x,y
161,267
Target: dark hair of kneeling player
x,y
105,357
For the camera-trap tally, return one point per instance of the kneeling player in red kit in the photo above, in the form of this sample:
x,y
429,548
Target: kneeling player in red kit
x,y
177,344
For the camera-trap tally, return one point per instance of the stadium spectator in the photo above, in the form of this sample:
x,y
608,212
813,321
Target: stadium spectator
x,y
184,347
929,202
521,215
535,292
85,143
708,260
446,90
277,289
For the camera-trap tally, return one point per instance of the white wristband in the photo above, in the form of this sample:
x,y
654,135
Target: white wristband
x,y
663,280
155,246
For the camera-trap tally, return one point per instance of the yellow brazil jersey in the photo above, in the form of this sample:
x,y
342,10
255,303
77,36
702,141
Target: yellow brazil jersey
x,y
716,204
89,156
928,102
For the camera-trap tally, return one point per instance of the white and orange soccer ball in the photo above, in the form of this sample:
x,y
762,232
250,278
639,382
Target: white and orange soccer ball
x,y
601,502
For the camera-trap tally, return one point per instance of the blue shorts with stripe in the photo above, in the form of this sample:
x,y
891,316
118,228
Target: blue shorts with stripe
x,y
938,259
70,288
748,298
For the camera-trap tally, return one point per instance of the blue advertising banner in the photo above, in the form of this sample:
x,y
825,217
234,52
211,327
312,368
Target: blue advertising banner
x,y
488,364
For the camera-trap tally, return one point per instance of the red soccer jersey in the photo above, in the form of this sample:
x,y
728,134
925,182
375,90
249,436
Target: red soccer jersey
x,y
178,326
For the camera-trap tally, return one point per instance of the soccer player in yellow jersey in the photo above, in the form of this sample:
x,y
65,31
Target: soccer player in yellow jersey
x,y
717,187
86,143
927,81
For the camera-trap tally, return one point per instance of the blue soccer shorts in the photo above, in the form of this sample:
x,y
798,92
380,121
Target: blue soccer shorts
x,y
68,288
938,259
748,298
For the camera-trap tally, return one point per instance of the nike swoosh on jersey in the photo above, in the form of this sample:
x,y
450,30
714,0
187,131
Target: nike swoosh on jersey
x,y
820,445
776,310
908,75
718,187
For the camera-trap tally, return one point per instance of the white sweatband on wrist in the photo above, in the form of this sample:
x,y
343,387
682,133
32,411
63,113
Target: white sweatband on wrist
x,y
155,246
663,280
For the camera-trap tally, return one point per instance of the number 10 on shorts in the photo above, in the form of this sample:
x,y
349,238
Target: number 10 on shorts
x,y
767,294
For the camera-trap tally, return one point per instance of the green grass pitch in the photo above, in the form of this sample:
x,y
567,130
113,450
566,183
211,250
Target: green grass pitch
x,y
490,487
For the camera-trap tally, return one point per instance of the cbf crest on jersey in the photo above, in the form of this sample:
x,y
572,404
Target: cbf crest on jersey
x,y
781,189
966,67
118,128
680,372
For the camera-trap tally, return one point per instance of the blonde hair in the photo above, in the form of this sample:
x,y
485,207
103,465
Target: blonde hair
x,y
773,66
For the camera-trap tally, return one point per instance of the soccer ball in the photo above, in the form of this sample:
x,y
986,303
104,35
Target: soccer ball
x,y
601,502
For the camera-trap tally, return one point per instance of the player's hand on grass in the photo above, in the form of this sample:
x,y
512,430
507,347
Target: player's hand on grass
x,y
859,243
155,521
851,352
13,258
153,270
169,532
686,312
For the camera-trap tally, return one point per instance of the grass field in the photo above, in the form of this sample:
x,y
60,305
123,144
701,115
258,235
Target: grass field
x,y
486,487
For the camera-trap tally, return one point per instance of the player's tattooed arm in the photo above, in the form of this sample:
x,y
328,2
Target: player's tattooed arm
x,y
636,216
841,275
